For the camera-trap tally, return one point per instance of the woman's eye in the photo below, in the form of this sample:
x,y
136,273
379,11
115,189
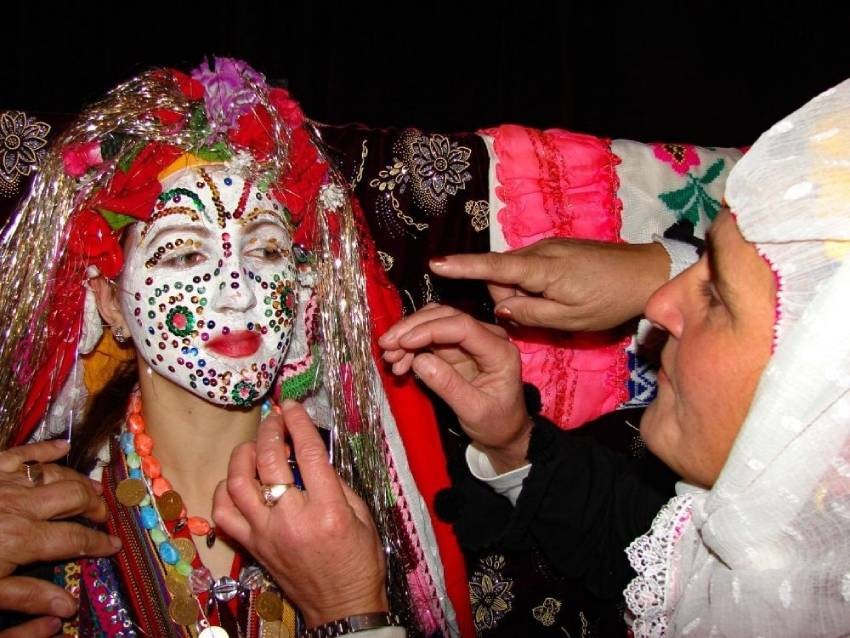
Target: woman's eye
x,y
185,260
710,293
269,252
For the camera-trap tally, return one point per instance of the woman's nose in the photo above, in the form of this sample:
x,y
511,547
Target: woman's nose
x,y
664,308
234,294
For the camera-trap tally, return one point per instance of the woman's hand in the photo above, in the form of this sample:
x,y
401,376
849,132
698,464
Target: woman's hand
x,y
30,532
320,544
475,369
566,284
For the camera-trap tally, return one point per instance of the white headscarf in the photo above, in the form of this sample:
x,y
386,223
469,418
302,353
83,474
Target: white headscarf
x,y
767,550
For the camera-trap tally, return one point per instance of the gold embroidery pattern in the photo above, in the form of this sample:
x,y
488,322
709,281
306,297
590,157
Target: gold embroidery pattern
x,y
23,142
440,170
479,213
547,611
391,178
387,260
72,570
490,593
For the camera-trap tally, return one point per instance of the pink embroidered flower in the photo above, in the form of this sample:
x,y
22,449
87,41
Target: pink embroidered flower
x,y
78,158
679,156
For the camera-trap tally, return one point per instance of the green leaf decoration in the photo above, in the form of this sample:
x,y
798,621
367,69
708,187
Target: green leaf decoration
x,y
116,221
711,205
218,152
691,213
125,162
111,145
713,172
678,199
198,120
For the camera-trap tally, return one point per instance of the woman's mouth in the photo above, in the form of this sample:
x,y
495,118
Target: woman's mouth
x,y
236,344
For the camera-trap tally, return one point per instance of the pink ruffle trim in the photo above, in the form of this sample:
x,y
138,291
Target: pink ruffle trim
x,y
560,184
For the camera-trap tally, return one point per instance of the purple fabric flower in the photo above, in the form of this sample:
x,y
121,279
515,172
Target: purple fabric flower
x,y
229,91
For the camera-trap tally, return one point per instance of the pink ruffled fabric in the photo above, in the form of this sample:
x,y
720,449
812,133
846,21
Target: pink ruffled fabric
x,y
556,183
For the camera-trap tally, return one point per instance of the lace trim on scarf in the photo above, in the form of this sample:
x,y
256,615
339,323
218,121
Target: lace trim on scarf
x,y
652,556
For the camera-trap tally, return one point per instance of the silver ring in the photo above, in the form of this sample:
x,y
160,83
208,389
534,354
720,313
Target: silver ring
x,y
272,493
34,472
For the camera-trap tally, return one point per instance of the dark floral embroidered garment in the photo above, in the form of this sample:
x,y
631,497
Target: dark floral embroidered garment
x,y
425,194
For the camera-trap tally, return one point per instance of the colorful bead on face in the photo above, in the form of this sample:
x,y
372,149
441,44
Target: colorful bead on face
x,y
209,286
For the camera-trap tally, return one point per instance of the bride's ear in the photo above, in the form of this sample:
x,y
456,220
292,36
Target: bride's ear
x,y
106,299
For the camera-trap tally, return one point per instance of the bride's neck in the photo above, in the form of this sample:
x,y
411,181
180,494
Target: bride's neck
x,y
193,438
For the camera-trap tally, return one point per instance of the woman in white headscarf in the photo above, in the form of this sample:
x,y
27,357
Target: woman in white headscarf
x,y
753,410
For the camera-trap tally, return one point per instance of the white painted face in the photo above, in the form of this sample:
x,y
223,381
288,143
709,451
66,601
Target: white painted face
x,y
209,287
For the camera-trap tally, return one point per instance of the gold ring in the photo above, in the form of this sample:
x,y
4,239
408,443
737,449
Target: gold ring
x,y
34,472
272,493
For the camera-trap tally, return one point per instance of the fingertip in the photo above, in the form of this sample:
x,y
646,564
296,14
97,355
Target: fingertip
x,y
61,445
425,365
503,311
288,404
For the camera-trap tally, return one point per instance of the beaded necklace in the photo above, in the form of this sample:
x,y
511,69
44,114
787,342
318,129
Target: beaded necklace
x,y
157,504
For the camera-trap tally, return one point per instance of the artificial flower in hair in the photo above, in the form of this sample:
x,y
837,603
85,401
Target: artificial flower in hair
x,y
229,91
78,158
92,240
299,186
133,191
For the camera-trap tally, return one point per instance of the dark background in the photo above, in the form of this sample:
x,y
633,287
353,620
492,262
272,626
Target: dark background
x,y
706,72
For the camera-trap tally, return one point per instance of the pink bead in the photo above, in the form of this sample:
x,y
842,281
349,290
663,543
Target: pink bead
x,y
135,423
161,485
151,468
198,526
143,443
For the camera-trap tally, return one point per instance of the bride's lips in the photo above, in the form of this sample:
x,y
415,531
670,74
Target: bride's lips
x,y
240,343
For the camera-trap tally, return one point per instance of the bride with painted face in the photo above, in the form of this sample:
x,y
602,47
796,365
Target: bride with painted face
x,y
186,261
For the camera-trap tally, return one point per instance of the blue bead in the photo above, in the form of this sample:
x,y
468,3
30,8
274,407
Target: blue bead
x,y
150,518
127,445
135,473
168,553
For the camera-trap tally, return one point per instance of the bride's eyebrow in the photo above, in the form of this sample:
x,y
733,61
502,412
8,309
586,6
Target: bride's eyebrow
x,y
197,229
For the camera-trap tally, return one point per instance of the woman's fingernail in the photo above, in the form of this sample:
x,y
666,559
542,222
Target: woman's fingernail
x,y
288,404
62,607
503,312
115,542
97,486
61,444
277,409
437,262
54,625
424,366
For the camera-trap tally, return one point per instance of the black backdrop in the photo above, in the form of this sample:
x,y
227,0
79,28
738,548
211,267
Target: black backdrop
x,y
701,71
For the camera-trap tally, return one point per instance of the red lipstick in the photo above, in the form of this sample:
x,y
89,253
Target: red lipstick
x,y
236,344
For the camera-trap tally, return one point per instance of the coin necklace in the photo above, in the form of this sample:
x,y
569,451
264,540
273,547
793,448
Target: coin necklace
x,y
158,502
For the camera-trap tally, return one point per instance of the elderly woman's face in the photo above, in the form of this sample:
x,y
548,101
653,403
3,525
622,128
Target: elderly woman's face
x,y
209,286
719,315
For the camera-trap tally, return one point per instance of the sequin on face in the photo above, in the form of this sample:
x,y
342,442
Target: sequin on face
x,y
210,298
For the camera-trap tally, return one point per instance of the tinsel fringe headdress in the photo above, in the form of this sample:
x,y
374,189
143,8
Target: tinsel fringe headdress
x,y
101,175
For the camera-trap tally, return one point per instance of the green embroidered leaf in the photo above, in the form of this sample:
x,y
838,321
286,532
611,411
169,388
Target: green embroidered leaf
x,y
678,199
692,212
116,221
713,172
125,162
218,152
710,205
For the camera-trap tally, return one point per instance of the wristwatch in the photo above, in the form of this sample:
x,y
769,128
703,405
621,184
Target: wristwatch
x,y
351,624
